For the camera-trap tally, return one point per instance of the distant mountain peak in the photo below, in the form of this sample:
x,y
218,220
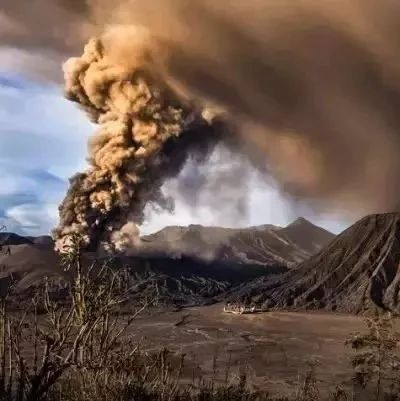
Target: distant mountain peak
x,y
301,221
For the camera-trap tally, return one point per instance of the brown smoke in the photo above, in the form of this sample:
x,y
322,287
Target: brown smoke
x,y
139,119
56,25
311,87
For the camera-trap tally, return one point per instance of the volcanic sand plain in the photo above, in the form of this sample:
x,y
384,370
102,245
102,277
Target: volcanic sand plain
x,y
274,349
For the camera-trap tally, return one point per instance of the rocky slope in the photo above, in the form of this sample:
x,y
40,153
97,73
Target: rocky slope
x,y
180,281
356,272
187,281
183,265
262,245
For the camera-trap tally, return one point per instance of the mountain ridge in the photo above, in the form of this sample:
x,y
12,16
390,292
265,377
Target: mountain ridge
x,y
185,277
257,244
263,245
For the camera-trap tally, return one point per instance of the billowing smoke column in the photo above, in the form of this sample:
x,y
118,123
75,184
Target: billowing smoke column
x,y
312,88
140,121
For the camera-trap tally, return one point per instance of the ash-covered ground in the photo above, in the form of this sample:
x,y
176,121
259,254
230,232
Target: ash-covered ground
x,y
274,349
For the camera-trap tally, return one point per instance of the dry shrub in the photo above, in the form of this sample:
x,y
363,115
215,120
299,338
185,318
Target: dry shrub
x,y
376,359
79,349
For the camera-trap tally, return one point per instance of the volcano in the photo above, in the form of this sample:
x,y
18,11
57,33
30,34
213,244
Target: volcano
x,y
357,272
259,245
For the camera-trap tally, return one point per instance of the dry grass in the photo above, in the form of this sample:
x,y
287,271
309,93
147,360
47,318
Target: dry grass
x,y
79,350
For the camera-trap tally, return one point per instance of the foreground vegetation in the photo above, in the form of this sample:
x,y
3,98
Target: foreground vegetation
x,y
79,349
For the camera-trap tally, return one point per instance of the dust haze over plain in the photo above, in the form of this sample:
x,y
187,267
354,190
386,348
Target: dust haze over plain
x,y
306,91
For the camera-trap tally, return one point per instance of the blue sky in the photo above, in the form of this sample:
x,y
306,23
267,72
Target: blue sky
x,y
43,141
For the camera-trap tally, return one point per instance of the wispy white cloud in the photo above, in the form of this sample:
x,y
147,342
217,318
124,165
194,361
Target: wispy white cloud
x,y
38,127
29,198
33,219
42,143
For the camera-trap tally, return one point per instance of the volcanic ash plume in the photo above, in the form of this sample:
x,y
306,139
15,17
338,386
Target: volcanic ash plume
x,y
311,87
137,117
